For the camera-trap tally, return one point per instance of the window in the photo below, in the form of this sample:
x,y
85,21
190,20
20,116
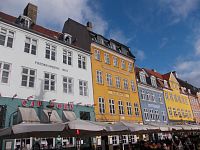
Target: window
x,y
67,85
124,139
67,57
84,115
142,77
166,84
112,106
50,52
123,64
6,37
28,77
121,107
106,58
115,61
130,67
136,109
170,111
101,105
153,81
125,84
174,110
151,114
143,95
114,140
81,61
49,81
109,79
5,69
83,88
99,77
30,46
97,54
164,116
146,114
117,82
129,108
153,97
160,98
132,86
157,116
148,96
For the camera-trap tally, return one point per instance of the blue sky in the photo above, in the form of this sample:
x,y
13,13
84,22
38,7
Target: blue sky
x,y
163,34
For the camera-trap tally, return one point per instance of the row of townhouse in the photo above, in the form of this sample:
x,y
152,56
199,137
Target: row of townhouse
x,y
84,68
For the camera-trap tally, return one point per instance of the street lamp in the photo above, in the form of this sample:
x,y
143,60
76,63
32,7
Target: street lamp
x,y
49,111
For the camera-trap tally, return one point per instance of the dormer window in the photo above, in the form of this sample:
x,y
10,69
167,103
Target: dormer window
x,y
153,81
189,91
67,38
113,46
142,77
24,21
166,84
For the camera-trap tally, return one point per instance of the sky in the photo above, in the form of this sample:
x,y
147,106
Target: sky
x,y
163,34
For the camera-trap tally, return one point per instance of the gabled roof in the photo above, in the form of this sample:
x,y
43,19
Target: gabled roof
x,y
166,76
153,73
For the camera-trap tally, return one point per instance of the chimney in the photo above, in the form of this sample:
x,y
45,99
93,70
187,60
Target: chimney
x,y
89,26
31,12
154,70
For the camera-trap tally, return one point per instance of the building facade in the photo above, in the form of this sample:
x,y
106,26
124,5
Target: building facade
x,y
115,91
151,96
42,64
177,102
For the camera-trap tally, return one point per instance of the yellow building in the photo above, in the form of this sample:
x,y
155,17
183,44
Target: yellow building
x,y
114,83
177,103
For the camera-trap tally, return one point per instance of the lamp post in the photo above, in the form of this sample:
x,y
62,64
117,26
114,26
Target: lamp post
x,y
49,111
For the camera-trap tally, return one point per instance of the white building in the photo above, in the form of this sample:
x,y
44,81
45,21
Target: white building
x,y
38,62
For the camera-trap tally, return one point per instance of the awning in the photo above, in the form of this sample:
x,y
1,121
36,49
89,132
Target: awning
x,y
26,115
68,116
54,117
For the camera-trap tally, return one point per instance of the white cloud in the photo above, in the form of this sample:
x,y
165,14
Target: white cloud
x,y
197,46
53,13
118,35
139,54
180,9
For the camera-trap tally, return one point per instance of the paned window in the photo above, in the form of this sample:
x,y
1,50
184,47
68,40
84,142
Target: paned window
x,y
68,85
130,67
49,81
50,52
99,77
83,88
28,77
101,105
109,79
143,95
136,109
5,69
142,77
118,82
125,84
121,107
153,81
67,57
112,106
129,108
107,58
30,46
146,114
115,61
123,64
81,61
6,37
97,54
132,86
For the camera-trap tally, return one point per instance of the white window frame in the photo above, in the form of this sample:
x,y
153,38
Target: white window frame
x,y
129,108
146,114
106,58
109,79
82,61
83,88
136,107
97,54
50,80
30,45
101,103
50,52
125,84
115,61
142,77
157,116
4,73
8,35
30,78
99,77
130,67
118,85
151,112
133,86
143,95
67,57
153,97
68,83
164,116
121,107
123,64
112,106
153,81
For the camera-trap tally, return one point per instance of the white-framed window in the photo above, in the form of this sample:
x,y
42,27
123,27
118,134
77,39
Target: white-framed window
x,y
30,46
148,96
142,77
146,114
99,77
164,118
157,116
121,107
160,98
6,37
68,85
49,81
5,69
28,77
133,86
136,107
112,106
101,105
130,67
123,64
151,114
109,79
124,139
67,57
81,61
97,54
125,84
117,82
115,61
129,108
50,51
107,58
143,95
153,81
153,97
115,140
83,88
